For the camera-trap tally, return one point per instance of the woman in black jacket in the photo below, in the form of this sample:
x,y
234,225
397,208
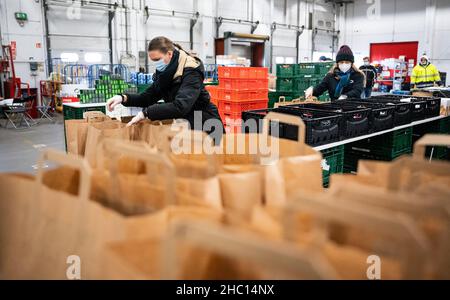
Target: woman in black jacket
x,y
343,81
179,82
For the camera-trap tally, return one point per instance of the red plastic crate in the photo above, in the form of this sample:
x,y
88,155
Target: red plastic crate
x,y
233,72
212,89
215,101
259,73
243,72
243,84
233,129
231,118
238,107
242,95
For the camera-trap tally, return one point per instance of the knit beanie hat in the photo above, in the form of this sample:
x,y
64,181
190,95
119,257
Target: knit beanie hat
x,y
345,53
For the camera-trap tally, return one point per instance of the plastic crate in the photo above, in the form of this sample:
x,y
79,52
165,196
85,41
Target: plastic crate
x,y
381,117
71,113
402,115
243,72
354,121
238,107
274,97
286,70
384,147
233,72
285,85
212,90
301,85
306,68
242,95
244,84
231,118
432,106
258,73
323,68
321,127
332,163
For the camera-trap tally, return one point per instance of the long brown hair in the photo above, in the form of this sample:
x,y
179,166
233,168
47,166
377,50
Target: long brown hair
x,y
163,44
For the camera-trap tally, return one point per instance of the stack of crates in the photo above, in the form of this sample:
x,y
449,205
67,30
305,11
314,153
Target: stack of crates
x,y
294,79
286,75
105,87
240,89
311,74
386,147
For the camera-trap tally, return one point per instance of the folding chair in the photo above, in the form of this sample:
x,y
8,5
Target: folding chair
x,y
46,108
17,113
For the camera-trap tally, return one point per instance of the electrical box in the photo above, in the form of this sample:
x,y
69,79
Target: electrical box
x,y
33,66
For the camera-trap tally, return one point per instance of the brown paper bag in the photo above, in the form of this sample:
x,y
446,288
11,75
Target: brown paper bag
x,y
237,254
76,131
241,192
55,224
99,131
394,235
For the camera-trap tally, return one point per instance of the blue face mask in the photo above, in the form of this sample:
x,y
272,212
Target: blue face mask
x,y
161,65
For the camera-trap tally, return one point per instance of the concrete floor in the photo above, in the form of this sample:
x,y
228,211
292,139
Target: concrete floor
x,y
19,149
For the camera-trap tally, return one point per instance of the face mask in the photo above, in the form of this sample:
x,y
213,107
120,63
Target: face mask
x,y
161,65
345,67
366,63
424,63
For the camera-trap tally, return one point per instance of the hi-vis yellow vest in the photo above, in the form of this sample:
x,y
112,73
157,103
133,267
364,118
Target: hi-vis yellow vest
x,y
422,74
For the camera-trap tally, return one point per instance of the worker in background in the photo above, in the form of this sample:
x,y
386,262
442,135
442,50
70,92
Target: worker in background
x,y
178,80
425,74
371,73
343,81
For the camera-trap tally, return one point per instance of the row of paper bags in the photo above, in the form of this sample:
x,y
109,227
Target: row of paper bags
x,y
141,211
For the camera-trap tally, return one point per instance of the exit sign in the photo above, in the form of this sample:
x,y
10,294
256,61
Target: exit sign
x,y
21,16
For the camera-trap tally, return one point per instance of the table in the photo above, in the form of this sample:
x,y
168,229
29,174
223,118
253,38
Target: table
x,y
351,140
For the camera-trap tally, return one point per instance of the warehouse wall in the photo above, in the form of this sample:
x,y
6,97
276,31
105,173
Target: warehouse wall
x,y
28,38
86,29
427,22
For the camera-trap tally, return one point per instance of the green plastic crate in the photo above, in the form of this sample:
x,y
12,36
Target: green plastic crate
x,y
332,163
301,85
306,68
275,96
286,70
323,68
285,85
389,146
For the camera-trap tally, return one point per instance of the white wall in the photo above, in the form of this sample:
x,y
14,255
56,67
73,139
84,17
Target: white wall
x,y
92,25
25,37
427,22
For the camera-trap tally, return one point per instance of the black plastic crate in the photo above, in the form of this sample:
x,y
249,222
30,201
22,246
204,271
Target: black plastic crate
x,y
428,110
354,121
381,117
321,127
402,115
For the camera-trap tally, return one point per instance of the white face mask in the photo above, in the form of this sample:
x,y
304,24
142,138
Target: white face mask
x,y
344,67
366,63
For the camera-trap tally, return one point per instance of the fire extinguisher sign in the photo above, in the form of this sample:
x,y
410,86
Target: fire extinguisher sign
x,y
13,49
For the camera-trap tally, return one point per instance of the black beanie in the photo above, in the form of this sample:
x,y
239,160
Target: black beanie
x,y
345,53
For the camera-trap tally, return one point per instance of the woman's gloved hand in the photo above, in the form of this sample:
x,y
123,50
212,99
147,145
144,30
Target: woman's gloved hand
x,y
139,117
343,97
309,92
113,102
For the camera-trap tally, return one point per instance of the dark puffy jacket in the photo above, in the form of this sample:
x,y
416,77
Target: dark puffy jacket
x,y
371,73
352,90
186,94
